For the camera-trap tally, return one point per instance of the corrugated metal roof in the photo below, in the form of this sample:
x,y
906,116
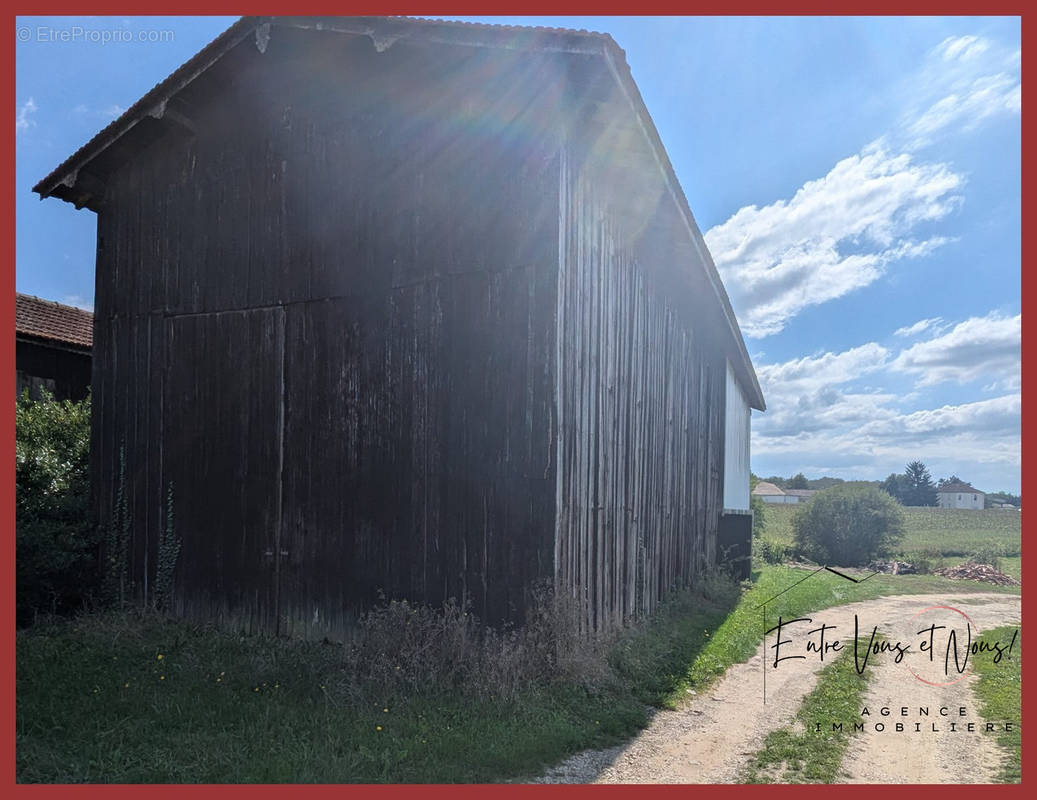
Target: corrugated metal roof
x,y
46,319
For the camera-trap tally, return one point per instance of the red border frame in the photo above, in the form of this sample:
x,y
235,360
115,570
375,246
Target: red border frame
x,y
454,7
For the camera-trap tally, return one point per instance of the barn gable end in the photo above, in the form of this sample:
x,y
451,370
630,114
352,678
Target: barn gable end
x,y
404,308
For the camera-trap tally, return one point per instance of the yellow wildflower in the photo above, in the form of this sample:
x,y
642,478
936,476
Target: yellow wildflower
x,y
160,656
377,727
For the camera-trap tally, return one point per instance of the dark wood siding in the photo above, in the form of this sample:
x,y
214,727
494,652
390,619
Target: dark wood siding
x,y
640,393
328,320
63,371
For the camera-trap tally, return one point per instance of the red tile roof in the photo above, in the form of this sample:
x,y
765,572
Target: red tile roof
x,y
45,319
956,487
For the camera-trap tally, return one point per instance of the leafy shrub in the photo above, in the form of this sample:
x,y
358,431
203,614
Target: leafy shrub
x,y
56,555
773,552
848,525
924,560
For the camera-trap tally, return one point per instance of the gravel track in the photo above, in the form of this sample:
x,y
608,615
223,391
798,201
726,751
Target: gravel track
x,y
711,738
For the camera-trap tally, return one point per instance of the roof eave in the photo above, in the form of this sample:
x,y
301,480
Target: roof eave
x,y
151,104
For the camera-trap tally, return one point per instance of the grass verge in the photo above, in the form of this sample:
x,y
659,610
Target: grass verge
x,y
115,698
999,690
811,751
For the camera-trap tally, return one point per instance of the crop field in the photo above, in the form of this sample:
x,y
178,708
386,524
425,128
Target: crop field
x,y
943,536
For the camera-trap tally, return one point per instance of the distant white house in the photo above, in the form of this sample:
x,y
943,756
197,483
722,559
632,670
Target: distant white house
x,y
959,495
770,493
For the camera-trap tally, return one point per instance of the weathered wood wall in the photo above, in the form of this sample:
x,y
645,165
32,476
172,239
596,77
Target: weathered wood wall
x,y
736,445
641,393
326,318
382,333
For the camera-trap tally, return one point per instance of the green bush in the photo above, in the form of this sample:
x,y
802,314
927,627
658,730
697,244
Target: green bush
x,y
773,552
56,543
848,525
759,515
925,560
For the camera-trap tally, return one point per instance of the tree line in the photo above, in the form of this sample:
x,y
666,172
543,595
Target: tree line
x,y
912,487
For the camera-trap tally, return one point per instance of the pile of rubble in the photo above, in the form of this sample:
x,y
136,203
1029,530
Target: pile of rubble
x,y
977,572
893,567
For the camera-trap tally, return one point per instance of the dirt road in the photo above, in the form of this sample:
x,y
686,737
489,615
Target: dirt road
x,y
712,737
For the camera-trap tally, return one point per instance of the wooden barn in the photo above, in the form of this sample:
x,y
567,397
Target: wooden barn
x,y
408,307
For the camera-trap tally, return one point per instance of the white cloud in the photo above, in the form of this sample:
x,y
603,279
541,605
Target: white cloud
x,y
110,111
998,414
78,301
961,47
965,81
855,414
864,438
812,372
919,327
969,107
24,120
973,349
823,417
836,234
841,232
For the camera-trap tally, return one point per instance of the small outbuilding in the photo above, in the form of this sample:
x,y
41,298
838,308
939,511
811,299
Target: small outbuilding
x,y
407,307
958,494
53,344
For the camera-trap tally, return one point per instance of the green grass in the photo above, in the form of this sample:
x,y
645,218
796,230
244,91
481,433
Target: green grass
x,y
950,532
803,754
96,704
999,690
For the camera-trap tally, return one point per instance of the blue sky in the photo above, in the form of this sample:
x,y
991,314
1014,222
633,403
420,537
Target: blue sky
x,y
857,181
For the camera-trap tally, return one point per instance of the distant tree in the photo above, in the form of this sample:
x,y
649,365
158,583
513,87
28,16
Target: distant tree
x,y
824,483
778,481
798,481
896,486
920,488
952,479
